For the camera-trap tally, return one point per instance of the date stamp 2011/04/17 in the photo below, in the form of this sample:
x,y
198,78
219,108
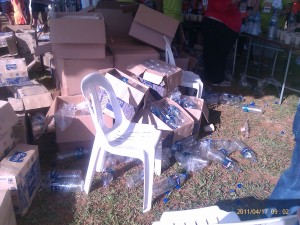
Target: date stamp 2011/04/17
x,y
254,211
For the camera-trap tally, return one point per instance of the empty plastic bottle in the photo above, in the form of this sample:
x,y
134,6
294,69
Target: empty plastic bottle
x,y
256,24
217,156
272,31
59,174
75,154
252,109
169,183
135,179
245,150
64,185
107,177
184,144
191,162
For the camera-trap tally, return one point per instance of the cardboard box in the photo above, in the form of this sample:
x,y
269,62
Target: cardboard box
x,y
78,28
8,41
128,53
20,173
70,72
186,129
7,214
156,79
20,130
8,117
13,71
130,93
196,114
79,128
7,143
151,26
33,95
117,22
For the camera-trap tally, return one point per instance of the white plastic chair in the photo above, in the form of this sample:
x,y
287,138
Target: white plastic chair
x,y
189,78
141,141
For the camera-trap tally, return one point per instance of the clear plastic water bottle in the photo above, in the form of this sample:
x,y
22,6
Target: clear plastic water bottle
x,y
209,153
60,174
169,183
272,31
250,22
107,177
65,185
230,99
135,179
256,24
184,144
245,150
75,154
252,109
191,162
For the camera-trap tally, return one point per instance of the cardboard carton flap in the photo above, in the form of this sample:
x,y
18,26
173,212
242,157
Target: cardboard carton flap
x,y
8,117
159,22
153,76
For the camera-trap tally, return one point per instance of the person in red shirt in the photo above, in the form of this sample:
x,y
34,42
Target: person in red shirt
x,y
221,25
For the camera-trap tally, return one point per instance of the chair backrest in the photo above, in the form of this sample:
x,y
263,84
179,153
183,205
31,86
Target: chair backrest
x,y
90,87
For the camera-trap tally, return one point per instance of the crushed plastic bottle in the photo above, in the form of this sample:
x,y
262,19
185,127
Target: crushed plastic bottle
x,y
135,179
252,109
191,162
107,177
245,150
209,153
187,143
224,98
169,183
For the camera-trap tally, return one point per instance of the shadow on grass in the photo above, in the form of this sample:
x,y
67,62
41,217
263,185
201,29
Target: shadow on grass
x,y
251,208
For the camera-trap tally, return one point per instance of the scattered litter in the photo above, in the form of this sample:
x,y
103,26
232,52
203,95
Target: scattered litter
x,y
282,132
209,128
239,185
246,129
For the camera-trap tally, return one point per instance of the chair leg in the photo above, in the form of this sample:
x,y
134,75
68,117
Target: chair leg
x,y
100,162
157,163
92,165
148,178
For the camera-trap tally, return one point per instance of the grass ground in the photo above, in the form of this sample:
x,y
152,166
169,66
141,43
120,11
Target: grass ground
x,y
270,137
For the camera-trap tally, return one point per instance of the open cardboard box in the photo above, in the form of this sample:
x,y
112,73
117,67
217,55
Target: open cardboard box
x,y
151,26
131,95
20,173
155,79
8,40
186,129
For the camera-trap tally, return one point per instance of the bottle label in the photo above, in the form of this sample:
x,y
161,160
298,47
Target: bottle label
x,y
224,151
267,6
227,162
18,157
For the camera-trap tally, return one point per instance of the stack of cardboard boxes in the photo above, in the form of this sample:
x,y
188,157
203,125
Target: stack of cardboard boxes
x,y
19,167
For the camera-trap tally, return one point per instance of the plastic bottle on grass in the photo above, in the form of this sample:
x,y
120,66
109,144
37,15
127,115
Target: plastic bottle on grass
x,y
59,174
107,177
135,179
191,162
245,150
64,185
184,144
75,154
252,109
169,183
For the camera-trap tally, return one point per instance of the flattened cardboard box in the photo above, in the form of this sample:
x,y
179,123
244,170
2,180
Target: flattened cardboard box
x,y
80,127
20,173
13,71
70,72
7,214
151,26
130,93
7,143
8,117
155,79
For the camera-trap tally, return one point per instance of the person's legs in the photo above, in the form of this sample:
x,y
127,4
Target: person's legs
x,y
218,41
7,9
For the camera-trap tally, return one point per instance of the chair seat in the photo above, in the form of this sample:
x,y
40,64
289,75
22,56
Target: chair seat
x,y
134,137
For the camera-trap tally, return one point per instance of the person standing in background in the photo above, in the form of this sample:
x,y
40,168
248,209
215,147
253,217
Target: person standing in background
x,y
19,9
39,6
221,26
7,9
